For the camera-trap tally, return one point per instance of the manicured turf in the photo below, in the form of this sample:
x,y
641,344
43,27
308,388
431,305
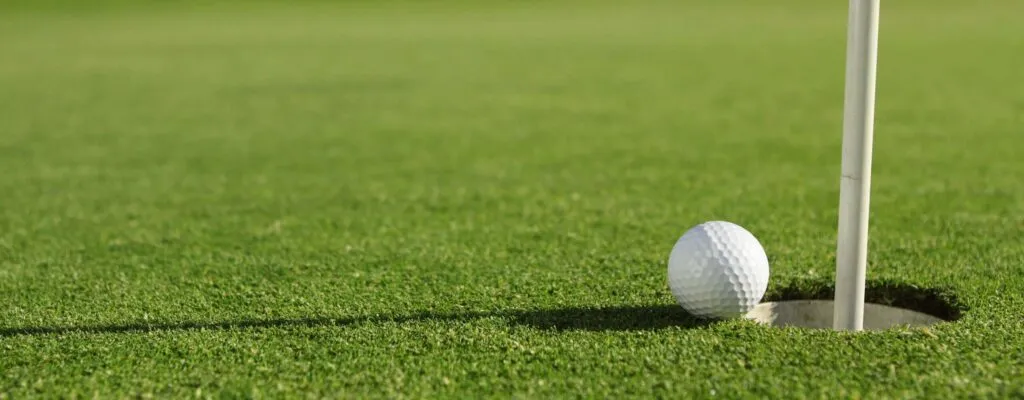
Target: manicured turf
x,y
478,199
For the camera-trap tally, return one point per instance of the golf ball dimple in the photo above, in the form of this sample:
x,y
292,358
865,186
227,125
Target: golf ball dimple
x,y
718,270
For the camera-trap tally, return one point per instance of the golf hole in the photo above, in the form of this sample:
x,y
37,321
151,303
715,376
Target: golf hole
x,y
817,314
887,305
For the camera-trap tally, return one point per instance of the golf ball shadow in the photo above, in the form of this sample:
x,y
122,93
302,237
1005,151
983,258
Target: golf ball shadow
x,y
617,318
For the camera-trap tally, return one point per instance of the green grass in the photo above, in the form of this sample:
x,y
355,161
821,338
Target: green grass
x,y
470,199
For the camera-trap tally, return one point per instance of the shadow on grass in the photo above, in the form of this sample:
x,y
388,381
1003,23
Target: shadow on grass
x,y
939,302
622,318
610,319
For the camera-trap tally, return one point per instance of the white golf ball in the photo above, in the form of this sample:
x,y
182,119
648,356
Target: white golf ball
x,y
718,270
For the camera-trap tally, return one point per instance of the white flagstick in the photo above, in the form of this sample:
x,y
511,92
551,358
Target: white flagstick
x,y
855,182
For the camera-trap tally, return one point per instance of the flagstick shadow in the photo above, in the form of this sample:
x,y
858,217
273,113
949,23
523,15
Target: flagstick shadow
x,y
620,318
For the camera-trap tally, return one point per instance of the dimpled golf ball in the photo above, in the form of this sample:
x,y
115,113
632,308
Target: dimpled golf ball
x,y
718,270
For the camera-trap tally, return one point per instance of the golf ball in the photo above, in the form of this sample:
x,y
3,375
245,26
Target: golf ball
x,y
718,270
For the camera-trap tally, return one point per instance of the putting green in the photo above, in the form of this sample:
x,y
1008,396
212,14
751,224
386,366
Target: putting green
x,y
478,199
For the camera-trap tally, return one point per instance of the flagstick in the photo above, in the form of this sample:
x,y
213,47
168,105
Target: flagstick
x,y
855,181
